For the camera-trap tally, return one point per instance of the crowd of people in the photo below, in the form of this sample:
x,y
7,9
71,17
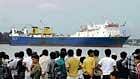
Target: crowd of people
x,y
65,64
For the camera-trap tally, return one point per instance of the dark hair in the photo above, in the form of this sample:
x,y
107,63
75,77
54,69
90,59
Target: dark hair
x,y
123,55
21,54
16,54
35,56
6,56
114,57
3,54
96,52
115,74
44,52
62,54
82,59
70,52
107,52
29,51
64,50
0,55
137,57
78,52
137,51
52,55
90,51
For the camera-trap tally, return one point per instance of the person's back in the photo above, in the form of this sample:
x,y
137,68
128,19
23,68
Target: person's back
x,y
89,65
73,66
107,64
131,64
78,55
61,69
51,69
51,66
97,71
28,59
21,67
61,72
28,62
123,71
43,61
5,72
1,67
13,65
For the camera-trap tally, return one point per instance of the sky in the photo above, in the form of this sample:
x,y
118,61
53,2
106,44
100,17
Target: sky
x,y
66,16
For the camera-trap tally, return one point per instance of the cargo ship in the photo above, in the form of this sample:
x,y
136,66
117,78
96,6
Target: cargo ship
x,y
108,34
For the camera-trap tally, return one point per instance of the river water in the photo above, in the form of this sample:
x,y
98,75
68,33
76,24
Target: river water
x,y
10,50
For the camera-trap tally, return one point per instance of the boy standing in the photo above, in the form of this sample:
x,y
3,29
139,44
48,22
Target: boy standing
x,y
51,66
35,68
89,65
107,64
72,65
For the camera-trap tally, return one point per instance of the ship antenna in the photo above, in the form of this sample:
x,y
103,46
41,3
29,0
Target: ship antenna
x,y
42,23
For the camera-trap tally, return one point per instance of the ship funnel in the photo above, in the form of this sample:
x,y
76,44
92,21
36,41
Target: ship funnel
x,y
47,31
35,30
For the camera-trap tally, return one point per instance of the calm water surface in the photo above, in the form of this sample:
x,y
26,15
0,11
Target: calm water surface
x,y
10,50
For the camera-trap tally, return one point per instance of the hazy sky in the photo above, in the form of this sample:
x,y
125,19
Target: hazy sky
x,y
66,16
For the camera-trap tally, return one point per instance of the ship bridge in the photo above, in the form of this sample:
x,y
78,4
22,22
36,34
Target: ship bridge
x,y
100,30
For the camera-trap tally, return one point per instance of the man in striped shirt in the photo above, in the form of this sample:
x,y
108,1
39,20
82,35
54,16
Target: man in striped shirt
x,y
131,64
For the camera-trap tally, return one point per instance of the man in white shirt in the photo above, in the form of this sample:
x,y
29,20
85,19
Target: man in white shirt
x,y
13,65
43,61
28,62
107,64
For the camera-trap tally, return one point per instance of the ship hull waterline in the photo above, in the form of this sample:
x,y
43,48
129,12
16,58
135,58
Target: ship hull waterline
x,y
68,41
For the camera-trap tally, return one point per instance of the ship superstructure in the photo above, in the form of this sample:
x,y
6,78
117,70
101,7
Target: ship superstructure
x,y
101,30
